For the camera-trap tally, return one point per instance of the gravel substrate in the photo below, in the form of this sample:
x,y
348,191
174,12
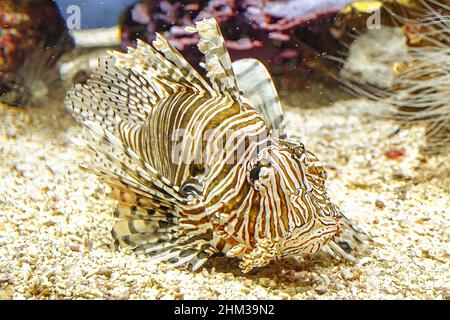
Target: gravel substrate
x,y
55,219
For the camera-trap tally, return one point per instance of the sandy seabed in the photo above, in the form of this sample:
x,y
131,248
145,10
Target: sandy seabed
x,y
55,219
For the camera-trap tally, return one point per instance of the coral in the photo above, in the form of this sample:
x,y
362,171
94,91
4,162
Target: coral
x,y
32,36
287,35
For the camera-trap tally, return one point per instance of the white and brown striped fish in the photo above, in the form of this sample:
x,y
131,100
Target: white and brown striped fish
x,y
203,167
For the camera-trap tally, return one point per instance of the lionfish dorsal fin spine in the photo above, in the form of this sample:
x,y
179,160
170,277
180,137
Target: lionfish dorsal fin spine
x,y
174,63
217,60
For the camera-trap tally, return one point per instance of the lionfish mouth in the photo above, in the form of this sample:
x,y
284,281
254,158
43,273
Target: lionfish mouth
x,y
312,237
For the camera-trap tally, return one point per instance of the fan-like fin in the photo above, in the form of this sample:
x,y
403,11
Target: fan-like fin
x,y
117,161
160,237
256,85
156,229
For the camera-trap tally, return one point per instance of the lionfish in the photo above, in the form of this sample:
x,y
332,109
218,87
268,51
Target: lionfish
x,y
197,166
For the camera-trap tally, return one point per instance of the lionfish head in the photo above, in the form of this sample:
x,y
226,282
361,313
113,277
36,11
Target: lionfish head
x,y
290,182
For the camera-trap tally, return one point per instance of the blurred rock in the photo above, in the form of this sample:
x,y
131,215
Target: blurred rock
x,y
32,36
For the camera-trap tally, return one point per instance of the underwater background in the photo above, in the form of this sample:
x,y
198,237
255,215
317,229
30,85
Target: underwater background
x,y
388,173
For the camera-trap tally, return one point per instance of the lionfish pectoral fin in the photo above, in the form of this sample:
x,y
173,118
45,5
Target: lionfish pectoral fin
x,y
147,220
128,86
256,85
153,227
337,251
160,236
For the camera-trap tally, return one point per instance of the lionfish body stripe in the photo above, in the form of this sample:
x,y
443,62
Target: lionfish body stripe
x,y
201,168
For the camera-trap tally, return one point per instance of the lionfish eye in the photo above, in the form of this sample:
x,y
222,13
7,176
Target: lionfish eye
x,y
298,151
254,173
